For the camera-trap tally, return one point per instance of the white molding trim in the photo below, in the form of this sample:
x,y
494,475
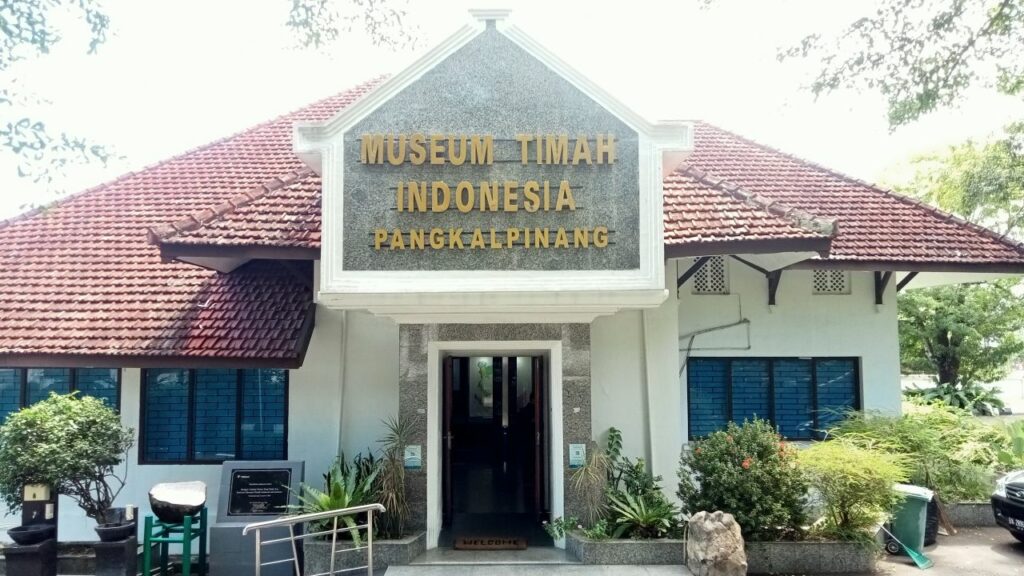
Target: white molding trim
x,y
310,138
495,307
503,295
551,348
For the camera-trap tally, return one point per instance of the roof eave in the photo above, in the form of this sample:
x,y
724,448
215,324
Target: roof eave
x,y
177,360
226,257
819,245
881,265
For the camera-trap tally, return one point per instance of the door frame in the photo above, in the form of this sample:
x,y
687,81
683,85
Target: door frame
x,y
552,349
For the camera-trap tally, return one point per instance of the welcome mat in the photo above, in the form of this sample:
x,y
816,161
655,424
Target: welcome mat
x,y
490,543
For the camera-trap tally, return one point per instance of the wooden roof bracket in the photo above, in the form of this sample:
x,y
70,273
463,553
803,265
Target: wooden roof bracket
x,y
881,282
697,265
906,280
774,277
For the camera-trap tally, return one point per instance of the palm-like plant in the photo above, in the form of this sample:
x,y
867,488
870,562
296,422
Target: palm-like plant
x,y
641,516
391,482
344,487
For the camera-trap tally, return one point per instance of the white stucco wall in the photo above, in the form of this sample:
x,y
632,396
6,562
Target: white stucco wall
x,y
801,324
313,428
352,369
371,381
634,359
617,380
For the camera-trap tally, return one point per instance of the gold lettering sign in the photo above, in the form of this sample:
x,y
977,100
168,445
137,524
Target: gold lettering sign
x,y
531,196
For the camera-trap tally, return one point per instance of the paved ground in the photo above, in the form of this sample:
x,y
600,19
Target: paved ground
x,y
973,552
537,570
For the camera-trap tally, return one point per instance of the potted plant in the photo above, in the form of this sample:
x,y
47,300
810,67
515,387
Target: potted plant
x,y
73,444
346,485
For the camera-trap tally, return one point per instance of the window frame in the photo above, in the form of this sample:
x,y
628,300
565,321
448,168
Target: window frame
x,y
191,460
858,395
72,384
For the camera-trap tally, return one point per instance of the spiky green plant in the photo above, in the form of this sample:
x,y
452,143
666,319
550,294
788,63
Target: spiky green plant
x,y
640,516
345,486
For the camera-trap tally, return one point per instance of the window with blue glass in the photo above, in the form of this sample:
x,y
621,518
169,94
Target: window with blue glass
x,y
213,415
21,387
802,397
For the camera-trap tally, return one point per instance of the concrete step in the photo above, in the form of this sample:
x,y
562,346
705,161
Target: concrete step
x,y
534,556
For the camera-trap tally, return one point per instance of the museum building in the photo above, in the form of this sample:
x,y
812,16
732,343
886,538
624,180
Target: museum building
x,y
488,245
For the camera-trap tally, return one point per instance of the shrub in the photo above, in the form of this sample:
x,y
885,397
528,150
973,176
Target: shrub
x,y
948,449
855,484
69,443
750,473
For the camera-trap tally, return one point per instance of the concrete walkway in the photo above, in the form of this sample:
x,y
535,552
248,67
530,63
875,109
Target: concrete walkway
x,y
537,570
973,551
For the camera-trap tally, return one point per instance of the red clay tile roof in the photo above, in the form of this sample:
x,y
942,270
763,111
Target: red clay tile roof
x,y
706,216
876,226
284,212
733,190
81,279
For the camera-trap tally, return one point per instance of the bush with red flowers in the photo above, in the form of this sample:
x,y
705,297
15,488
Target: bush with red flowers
x,y
749,472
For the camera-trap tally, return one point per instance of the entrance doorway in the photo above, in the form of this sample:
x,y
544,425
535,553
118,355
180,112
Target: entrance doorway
x,y
494,449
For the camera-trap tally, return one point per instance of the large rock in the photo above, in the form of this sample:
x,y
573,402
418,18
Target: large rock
x,y
715,546
172,501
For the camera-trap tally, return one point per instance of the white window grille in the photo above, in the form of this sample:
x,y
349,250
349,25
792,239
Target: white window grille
x,y
712,277
831,282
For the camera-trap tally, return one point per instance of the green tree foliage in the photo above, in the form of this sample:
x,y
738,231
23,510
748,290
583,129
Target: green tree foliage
x,y
318,23
923,54
72,444
749,472
968,334
983,182
41,151
962,334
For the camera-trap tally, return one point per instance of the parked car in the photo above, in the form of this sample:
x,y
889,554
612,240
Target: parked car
x,y
1008,503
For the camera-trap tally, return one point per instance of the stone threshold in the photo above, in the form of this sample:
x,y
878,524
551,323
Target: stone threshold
x,y
531,556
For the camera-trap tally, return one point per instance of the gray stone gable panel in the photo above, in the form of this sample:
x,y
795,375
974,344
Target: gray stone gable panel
x,y
491,86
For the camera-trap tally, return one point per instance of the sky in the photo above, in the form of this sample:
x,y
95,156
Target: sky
x,y
174,75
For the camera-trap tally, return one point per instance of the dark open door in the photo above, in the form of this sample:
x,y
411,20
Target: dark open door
x,y
539,427
446,443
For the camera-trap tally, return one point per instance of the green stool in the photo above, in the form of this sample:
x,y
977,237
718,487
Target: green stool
x,y
164,534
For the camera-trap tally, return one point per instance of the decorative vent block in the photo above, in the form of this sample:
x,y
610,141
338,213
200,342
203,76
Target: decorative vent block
x,y
712,278
831,282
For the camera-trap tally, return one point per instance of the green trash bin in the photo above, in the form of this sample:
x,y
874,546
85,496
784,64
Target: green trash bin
x,y
911,516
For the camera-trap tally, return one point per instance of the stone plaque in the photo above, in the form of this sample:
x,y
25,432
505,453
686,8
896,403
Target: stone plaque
x,y
259,492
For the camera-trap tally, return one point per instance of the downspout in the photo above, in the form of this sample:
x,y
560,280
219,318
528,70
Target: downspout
x,y
648,397
341,378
